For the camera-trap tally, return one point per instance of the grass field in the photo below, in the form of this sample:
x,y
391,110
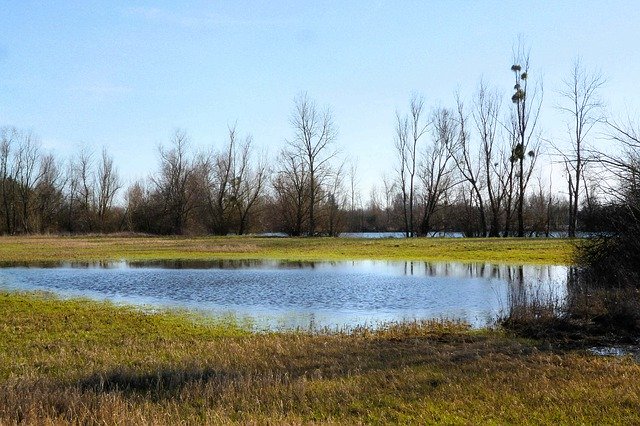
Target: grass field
x,y
497,250
85,362
92,363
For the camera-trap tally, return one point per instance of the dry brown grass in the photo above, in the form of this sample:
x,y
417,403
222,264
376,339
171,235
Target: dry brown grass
x,y
89,363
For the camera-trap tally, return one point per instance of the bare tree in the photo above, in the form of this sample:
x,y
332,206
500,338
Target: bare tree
x,y
216,173
336,200
84,189
9,137
142,207
389,188
230,183
468,168
624,164
108,184
409,131
437,166
26,169
353,184
405,180
49,197
70,193
485,115
583,105
313,141
80,193
374,220
247,183
356,218
291,185
538,208
527,101
172,182
508,178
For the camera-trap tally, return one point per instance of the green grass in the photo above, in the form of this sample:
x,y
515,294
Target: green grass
x,y
495,250
85,362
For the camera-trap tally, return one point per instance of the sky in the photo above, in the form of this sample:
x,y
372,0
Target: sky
x,y
126,74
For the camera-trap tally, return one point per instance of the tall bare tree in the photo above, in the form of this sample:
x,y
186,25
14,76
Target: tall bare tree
x,y
437,166
389,189
356,218
408,133
172,182
624,165
314,142
291,184
584,107
26,166
69,191
247,183
142,208
230,183
108,184
485,114
468,167
527,101
8,138
216,175
49,197
83,193
336,200
508,178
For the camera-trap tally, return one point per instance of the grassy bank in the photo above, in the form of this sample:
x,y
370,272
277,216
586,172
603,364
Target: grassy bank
x,y
497,250
89,362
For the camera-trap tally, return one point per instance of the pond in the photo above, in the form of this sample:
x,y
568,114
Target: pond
x,y
374,235
288,295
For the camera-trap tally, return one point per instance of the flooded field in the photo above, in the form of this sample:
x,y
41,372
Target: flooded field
x,y
288,295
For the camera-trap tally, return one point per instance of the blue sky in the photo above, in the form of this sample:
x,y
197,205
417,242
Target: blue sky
x,y
125,74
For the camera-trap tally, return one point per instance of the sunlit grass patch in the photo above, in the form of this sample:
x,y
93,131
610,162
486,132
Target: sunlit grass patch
x,y
65,334
496,250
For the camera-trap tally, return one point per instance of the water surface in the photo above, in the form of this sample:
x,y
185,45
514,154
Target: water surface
x,y
285,295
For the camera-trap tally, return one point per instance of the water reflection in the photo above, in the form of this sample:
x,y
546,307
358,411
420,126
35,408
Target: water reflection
x,y
296,294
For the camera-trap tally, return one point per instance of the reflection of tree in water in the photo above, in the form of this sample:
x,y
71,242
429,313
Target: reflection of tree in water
x,y
605,305
537,297
582,309
544,274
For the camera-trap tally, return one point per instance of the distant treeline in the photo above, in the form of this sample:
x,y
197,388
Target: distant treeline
x,y
228,191
472,169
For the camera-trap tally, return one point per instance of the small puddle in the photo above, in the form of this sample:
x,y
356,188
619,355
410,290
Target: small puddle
x,y
617,351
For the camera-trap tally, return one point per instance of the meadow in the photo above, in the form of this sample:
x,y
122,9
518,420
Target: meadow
x,y
84,362
27,249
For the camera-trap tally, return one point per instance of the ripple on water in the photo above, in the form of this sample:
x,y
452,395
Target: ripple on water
x,y
297,294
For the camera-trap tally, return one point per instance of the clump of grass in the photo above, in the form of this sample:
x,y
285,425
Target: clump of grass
x,y
534,312
414,328
588,314
71,361
602,304
605,286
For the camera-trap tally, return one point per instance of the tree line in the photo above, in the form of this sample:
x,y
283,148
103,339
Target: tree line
x,y
472,168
